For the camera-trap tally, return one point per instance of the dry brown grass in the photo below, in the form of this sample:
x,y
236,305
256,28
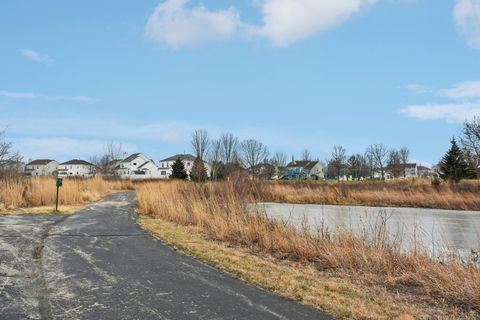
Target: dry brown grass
x,y
217,211
399,193
41,191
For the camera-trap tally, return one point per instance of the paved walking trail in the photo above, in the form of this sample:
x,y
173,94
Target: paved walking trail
x,y
99,264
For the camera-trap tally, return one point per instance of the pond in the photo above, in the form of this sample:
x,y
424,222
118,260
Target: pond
x,y
437,231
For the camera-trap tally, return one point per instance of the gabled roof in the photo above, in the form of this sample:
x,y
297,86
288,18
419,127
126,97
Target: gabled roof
x,y
131,157
77,162
187,157
40,162
144,164
303,164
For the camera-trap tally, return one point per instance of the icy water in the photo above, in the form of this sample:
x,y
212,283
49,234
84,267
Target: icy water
x,y
438,231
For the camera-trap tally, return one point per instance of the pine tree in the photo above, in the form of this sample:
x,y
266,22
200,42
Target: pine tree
x,y
178,170
453,166
199,172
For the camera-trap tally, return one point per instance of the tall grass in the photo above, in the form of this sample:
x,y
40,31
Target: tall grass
x,y
23,192
218,210
400,193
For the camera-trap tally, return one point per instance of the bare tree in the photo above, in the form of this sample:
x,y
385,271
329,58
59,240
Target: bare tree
x,y
229,144
379,157
338,159
405,158
279,159
214,157
395,164
306,156
253,153
10,161
356,166
471,141
112,153
200,143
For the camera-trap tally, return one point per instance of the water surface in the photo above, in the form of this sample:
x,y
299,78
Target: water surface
x,y
436,230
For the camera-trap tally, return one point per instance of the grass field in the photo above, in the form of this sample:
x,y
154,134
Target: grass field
x,y
345,275
216,210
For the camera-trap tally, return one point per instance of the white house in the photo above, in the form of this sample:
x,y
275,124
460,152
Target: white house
x,y
165,167
41,167
137,166
76,168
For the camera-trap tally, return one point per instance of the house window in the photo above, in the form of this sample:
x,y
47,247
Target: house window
x,y
163,173
134,163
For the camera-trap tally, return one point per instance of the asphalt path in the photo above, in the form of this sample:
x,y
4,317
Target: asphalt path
x,y
99,264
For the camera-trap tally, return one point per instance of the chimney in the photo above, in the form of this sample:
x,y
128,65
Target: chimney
x,y
125,155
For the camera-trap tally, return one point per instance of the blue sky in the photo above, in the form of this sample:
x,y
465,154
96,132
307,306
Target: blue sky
x,y
293,74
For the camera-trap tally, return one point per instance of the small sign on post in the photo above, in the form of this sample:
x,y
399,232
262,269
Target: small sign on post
x,y
59,184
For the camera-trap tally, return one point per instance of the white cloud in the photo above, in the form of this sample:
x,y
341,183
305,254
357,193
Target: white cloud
x,y
174,24
30,95
288,21
35,56
284,21
451,112
462,90
467,19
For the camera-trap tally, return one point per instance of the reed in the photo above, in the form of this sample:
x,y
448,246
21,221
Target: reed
x,y
24,192
420,193
218,210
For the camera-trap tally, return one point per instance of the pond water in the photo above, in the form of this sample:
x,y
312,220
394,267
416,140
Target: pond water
x,y
438,231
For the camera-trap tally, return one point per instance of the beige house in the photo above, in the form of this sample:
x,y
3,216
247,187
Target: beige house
x,y
41,167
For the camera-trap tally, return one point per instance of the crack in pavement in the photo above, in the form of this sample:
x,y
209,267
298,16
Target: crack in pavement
x,y
41,289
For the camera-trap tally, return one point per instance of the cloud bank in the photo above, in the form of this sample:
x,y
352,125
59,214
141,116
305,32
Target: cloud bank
x,y
463,103
31,95
35,56
467,20
284,22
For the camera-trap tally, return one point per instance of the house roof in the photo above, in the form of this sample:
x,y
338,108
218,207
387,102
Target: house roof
x,y
188,157
423,168
144,164
77,162
131,157
303,164
40,162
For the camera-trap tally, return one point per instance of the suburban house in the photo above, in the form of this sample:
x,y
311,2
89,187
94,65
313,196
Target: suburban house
x,y
165,166
304,170
41,167
76,168
268,171
136,166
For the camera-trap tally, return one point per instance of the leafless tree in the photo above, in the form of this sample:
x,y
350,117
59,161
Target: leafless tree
x,y
405,158
253,153
471,140
338,160
279,159
356,166
112,153
306,156
379,156
200,143
229,147
5,147
215,157
395,164
10,161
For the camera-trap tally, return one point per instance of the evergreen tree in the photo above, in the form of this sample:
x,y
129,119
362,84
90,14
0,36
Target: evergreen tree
x,y
454,166
178,170
199,172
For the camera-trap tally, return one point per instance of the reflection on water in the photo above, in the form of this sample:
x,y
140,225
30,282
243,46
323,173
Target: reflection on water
x,y
436,230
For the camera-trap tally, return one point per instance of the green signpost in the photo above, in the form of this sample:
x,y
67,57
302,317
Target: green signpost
x,y
59,184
